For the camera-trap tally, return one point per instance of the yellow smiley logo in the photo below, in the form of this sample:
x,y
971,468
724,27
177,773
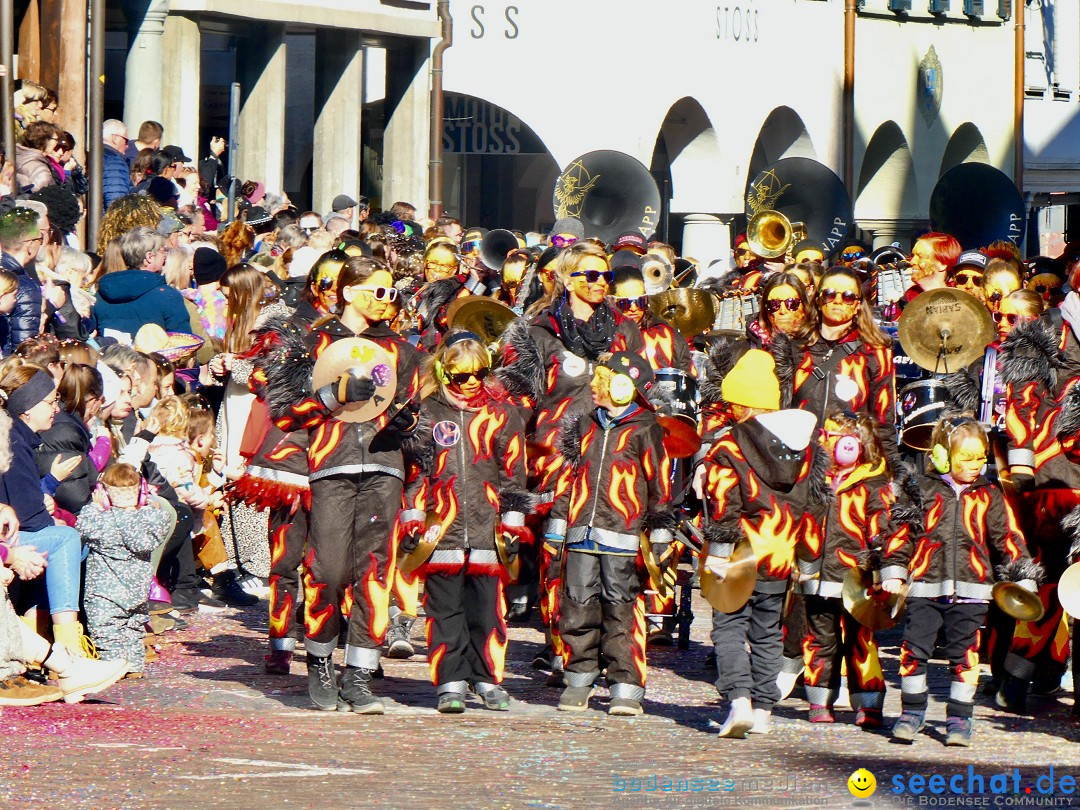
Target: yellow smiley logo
x,y
862,783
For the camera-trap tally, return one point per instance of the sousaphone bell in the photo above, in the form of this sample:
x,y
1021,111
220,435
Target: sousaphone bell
x,y
979,205
610,193
494,246
485,316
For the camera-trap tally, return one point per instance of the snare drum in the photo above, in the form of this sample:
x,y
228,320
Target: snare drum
x,y
921,404
682,390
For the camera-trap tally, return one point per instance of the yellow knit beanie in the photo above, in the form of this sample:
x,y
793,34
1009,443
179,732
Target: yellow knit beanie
x,y
752,382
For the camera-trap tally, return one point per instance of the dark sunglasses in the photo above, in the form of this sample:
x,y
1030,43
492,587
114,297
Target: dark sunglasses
x,y
848,296
1042,289
1012,317
967,278
792,304
470,246
562,241
742,252
594,276
850,257
625,304
995,296
325,283
463,377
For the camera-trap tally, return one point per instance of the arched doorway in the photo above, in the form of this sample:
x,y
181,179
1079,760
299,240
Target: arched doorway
x,y
887,196
965,146
782,135
497,173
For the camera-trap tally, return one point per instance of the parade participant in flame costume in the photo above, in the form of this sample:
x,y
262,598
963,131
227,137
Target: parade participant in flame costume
x,y
471,488
1044,465
847,531
356,473
664,346
949,568
277,476
572,335
614,489
756,486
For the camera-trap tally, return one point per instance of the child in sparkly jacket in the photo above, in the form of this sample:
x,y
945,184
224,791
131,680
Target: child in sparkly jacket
x,y
121,527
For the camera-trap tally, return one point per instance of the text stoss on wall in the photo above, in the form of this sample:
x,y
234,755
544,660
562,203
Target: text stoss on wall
x,y
737,23
498,18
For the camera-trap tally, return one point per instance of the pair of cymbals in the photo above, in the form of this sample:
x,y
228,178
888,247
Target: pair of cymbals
x,y
1017,602
359,357
688,309
945,330
871,606
433,532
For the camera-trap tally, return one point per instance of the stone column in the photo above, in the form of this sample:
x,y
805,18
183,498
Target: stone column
x,y
339,90
707,238
143,98
405,142
886,231
181,83
261,69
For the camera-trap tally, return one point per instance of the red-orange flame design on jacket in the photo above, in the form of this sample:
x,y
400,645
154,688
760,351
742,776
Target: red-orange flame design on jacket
x,y
773,539
852,511
482,430
579,494
659,346
622,491
920,560
327,437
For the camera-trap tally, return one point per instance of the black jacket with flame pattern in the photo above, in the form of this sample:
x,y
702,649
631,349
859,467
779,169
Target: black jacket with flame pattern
x,y
616,485
757,486
474,482
840,532
343,448
951,556
849,375
665,347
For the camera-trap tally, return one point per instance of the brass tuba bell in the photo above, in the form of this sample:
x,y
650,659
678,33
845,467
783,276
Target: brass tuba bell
x,y
770,234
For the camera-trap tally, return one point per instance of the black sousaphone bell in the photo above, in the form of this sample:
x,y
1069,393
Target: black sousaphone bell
x,y
610,192
979,205
806,193
494,246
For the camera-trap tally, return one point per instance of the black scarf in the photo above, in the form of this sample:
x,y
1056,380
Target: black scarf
x,y
588,339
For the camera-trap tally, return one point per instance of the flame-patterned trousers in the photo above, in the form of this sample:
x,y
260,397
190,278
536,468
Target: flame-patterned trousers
x,y
833,636
752,674
466,629
288,536
352,519
961,622
602,622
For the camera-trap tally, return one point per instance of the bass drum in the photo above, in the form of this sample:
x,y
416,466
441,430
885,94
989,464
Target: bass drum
x,y
682,390
921,405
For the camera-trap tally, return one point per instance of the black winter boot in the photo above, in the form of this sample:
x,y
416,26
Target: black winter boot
x,y
355,695
322,682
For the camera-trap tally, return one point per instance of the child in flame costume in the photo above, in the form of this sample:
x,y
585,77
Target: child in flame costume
x,y
846,531
276,477
614,491
571,336
949,570
472,490
356,473
756,486
1042,421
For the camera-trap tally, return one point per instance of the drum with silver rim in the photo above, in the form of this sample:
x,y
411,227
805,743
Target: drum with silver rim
x,y
921,405
681,390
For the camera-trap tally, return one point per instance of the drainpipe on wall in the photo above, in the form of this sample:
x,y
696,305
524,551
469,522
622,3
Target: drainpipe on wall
x,y
435,163
1019,7
849,97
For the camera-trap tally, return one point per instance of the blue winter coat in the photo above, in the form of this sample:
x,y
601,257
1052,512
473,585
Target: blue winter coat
x,y
115,175
20,486
131,298
25,319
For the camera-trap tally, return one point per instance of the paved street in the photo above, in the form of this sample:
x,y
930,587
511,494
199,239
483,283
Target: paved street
x,y
209,729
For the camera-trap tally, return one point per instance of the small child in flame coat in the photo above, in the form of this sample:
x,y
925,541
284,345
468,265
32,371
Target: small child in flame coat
x,y
615,490
756,488
846,531
950,574
471,495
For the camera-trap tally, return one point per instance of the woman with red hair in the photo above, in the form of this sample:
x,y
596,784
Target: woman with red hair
x,y
932,257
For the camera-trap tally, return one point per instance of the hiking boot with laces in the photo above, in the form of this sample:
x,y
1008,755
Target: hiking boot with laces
x,y
398,644
322,682
20,691
355,695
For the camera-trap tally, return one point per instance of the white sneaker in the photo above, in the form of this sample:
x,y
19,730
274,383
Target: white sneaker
x,y
762,718
88,676
786,681
843,698
256,586
739,720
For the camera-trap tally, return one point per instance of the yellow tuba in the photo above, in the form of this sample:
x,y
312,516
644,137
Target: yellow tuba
x,y
770,234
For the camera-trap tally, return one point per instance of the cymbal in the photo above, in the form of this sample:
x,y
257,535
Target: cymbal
x,y
361,358
1069,590
653,567
689,310
513,567
1020,603
871,606
737,586
945,330
480,314
681,439
422,553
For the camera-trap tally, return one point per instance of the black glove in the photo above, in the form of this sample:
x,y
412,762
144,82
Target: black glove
x,y
345,389
659,550
1023,482
409,543
513,546
404,422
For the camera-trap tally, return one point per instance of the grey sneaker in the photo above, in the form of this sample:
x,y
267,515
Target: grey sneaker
x,y
398,644
575,698
624,707
908,725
